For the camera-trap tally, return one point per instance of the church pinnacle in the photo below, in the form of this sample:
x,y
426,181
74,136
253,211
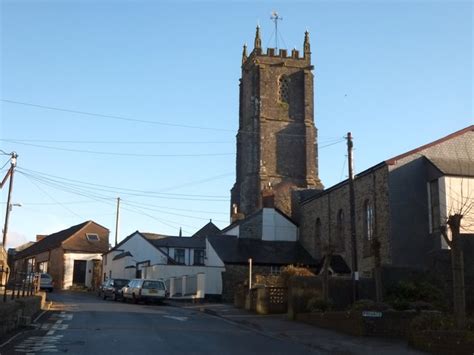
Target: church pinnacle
x,y
244,53
306,46
258,41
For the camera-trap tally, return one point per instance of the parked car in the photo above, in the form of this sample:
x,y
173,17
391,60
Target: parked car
x,y
144,290
46,282
112,288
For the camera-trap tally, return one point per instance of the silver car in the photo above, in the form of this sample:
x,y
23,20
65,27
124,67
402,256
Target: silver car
x,y
46,282
144,290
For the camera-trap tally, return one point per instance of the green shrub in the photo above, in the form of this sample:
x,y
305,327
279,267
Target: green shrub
x,y
318,304
415,295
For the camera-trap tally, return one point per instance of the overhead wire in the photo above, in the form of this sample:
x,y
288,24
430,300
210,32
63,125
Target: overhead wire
x,y
121,154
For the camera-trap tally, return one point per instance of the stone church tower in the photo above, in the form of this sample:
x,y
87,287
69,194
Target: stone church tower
x,y
277,140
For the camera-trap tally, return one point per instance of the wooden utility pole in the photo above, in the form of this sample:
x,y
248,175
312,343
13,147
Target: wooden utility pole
x,y
117,221
355,270
10,188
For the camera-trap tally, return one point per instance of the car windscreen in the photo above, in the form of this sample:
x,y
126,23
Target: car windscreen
x,y
154,284
120,283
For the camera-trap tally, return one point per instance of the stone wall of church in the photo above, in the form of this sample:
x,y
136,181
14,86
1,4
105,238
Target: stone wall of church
x,y
334,231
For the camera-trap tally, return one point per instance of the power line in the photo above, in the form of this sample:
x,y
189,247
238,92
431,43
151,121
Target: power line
x,y
109,142
120,154
105,188
121,118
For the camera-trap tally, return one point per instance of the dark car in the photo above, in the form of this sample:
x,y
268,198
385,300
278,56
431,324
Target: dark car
x,y
112,288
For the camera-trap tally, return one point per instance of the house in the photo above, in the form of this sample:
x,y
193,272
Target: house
x,y
154,255
267,236
71,256
401,203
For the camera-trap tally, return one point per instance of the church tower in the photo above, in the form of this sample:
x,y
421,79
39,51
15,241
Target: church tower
x,y
277,139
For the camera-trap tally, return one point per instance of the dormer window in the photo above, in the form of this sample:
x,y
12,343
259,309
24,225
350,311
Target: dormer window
x,y
92,237
284,88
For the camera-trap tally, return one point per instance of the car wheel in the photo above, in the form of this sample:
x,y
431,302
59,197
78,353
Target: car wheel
x,y
104,296
135,300
114,297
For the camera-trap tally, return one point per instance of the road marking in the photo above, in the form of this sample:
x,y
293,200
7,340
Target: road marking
x,y
48,342
181,319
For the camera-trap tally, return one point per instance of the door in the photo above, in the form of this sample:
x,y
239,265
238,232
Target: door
x,y
79,272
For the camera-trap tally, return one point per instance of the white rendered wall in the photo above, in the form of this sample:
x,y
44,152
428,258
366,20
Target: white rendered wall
x,y
69,267
213,279
277,228
212,259
457,196
233,231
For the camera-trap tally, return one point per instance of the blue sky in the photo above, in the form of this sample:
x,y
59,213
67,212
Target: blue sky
x,y
396,74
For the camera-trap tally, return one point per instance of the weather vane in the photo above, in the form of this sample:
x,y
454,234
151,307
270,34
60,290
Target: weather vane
x,y
275,18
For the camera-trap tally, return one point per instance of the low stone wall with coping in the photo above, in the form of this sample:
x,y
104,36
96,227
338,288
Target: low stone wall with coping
x,y
19,312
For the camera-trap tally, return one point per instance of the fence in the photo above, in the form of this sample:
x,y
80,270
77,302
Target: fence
x,y
17,284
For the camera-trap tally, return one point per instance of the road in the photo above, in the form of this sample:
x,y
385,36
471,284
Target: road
x,y
81,323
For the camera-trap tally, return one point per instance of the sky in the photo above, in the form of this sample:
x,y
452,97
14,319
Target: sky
x,y
139,99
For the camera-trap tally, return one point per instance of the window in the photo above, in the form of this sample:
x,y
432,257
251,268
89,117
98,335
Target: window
x,y
179,256
198,257
368,220
340,231
317,229
284,88
275,270
92,237
434,211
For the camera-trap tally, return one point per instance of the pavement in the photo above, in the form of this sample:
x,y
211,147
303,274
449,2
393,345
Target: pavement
x,y
278,326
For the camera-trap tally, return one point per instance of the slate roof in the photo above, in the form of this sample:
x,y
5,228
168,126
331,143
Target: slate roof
x,y
208,229
338,265
175,242
453,167
233,250
122,255
51,241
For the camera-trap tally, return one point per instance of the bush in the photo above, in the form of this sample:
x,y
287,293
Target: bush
x,y
369,305
318,304
292,270
415,295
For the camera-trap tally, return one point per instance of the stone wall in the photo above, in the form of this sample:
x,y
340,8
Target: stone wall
x,y
237,274
373,187
14,314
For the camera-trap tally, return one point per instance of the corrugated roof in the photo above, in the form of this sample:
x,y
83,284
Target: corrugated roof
x,y
233,250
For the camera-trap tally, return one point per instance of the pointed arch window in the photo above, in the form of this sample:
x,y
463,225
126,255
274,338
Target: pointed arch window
x,y
284,88
368,221
317,229
340,231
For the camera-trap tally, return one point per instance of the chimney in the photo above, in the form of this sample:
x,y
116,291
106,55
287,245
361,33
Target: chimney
x,y
268,197
236,215
40,237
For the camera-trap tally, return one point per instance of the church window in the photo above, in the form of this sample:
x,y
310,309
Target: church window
x,y
340,231
284,88
368,221
317,229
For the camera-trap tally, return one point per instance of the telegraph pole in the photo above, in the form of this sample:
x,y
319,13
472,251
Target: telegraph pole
x,y
117,221
11,171
355,270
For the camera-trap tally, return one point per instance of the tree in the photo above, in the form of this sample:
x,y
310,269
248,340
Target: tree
x,y
457,267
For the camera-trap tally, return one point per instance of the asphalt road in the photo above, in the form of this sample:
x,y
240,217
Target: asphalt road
x,y
81,323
